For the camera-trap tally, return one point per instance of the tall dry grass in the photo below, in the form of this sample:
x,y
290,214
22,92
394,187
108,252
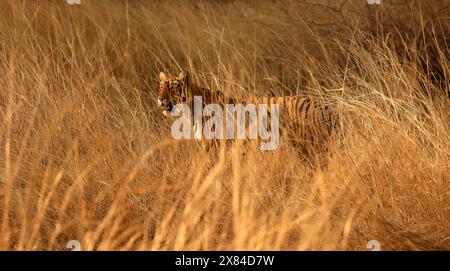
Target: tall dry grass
x,y
86,154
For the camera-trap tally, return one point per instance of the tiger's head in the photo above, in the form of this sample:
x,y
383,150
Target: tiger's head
x,y
172,91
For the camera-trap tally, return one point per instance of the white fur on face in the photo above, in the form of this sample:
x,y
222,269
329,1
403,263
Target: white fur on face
x,y
175,112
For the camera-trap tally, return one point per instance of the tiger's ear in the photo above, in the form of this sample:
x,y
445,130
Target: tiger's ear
x,y
162,76
185,77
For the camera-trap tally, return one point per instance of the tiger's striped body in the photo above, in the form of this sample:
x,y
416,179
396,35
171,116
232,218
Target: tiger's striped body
x,y
307,121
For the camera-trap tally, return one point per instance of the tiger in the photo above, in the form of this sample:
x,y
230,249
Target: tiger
x,y
304,120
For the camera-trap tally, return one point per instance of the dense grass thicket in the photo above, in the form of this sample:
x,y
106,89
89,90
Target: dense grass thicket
x,y
85,154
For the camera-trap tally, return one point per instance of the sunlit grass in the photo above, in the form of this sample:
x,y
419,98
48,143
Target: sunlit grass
x,y
86,155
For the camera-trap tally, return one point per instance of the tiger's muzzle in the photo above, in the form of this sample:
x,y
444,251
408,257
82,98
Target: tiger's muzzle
x,y
166,106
